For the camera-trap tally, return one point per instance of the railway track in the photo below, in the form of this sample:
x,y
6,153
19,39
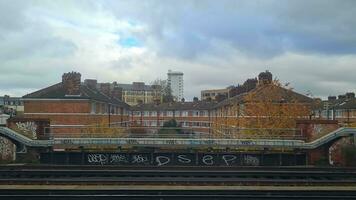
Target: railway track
x,y
179,176
49,182
175,194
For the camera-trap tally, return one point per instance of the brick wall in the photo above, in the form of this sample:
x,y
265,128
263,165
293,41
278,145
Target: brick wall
x,y
59,106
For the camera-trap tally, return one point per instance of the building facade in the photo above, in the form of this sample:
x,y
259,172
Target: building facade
x,y
212,94
341,108
176,83
11,105
268,106
192,116
139,93
74,104
132,94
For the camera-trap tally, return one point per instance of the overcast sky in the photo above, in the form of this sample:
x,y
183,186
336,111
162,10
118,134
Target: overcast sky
x,y
311,44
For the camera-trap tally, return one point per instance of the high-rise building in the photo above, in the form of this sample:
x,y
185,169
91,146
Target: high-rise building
x,y
175,81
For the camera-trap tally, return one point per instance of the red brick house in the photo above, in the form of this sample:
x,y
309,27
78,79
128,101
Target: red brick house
x,y
72,103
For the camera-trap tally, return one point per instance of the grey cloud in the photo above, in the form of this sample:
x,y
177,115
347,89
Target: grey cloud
x,y
258,28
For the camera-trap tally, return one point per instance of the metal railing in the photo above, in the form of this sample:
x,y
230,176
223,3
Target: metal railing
x,y
189,142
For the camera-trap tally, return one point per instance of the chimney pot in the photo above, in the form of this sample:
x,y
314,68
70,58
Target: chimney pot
x,y
71,83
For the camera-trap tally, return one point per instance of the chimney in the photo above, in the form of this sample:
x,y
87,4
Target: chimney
x,y
350,95
71,83
105,88
265,77
342,97
331,98
91,83
117,93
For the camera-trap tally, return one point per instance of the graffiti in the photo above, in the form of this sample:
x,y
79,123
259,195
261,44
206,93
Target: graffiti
x,y
247,143
251,160
184,159
119,159
172,142
132,142
7,149
28,127
317,129
97,159
208,160
189,159
162,160
229,159
138,159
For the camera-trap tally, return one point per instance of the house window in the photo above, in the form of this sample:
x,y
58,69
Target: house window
x,y
177,113
170,113
93,107
339,113
184,113
196,113
202,113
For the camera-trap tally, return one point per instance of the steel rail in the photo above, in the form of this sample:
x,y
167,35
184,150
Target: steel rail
x,y
278,143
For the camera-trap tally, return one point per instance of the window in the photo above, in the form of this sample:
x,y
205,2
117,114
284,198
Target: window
x,y
196,113
93,107
170,113
177,113
161,113
339,113
184,113
146,113
202,113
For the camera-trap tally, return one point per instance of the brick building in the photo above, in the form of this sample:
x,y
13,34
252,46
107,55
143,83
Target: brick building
x,y
189,115
72,103
341,108
212,94
267,106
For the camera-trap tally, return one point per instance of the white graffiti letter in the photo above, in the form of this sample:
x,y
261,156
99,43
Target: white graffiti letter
x,y
165,161
208,160
228,159
183,159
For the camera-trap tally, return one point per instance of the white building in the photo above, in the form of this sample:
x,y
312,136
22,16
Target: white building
x,y
175,80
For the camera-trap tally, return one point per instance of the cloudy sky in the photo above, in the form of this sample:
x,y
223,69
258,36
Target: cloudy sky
x,y
311,44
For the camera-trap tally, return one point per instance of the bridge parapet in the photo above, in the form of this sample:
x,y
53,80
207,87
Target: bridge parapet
x,y
35,129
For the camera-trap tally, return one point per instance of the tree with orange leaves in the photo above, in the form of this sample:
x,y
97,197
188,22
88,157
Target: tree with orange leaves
x,y
272,106
270,110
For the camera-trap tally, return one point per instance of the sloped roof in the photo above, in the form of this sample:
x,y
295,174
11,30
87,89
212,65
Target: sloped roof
x,y
57,91
262,91
346,104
